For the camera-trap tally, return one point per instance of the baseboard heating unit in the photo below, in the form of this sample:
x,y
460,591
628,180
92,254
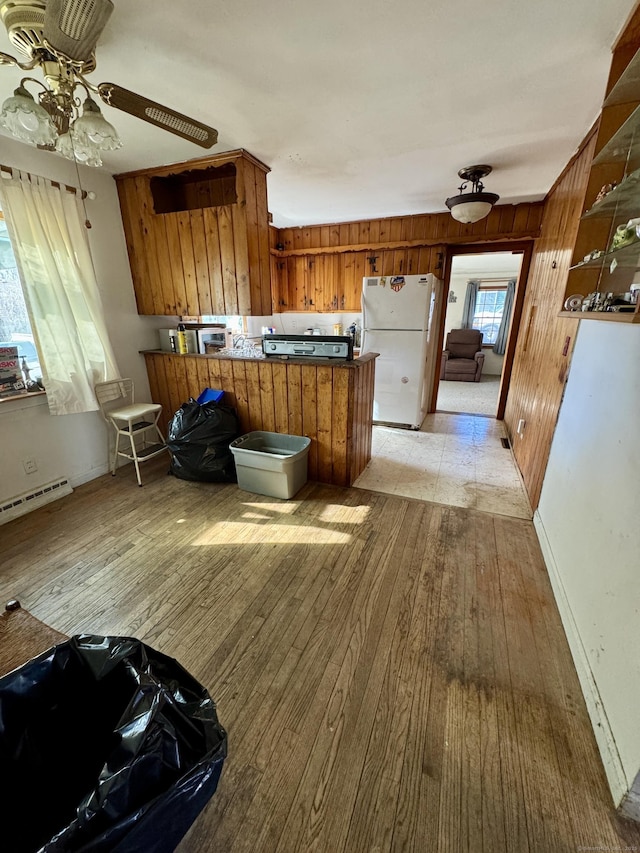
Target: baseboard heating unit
x,y
21,504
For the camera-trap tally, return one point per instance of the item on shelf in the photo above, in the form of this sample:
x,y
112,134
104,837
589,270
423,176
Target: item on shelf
x,y
573,303
593,255
605,190
592,301
635,225
623,236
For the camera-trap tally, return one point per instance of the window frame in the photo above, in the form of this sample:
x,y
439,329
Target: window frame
x,y
488,286
25,392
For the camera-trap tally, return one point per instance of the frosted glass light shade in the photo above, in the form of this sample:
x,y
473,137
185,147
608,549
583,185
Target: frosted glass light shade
x,y
471,207
471,211
73,150
92,130
27,120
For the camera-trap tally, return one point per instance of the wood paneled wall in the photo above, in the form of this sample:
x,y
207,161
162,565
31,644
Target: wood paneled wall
x,y
320,267
331,404
546,341
209,260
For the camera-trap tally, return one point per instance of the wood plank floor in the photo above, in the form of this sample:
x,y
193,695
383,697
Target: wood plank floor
x,y
393,674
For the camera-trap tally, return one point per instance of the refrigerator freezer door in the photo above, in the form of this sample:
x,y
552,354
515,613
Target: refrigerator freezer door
x,y
398,395
396,302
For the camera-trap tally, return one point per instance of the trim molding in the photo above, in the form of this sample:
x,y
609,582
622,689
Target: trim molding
x,y
630,805
624,797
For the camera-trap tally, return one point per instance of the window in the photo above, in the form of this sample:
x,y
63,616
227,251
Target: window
x,y
488,312
15,328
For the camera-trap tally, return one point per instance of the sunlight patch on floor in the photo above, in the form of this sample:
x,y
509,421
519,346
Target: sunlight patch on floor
x,y
235,532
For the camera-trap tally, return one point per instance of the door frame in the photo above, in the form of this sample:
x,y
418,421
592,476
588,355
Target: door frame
x,y
516,247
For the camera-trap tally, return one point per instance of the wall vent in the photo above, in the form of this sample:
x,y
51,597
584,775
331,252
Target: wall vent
x,y
19,505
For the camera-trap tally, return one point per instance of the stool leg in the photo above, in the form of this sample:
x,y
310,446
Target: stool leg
x,y
160,435
114,463
134,453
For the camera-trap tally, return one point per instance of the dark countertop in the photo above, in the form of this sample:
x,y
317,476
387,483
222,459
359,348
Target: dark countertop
x,y
316,362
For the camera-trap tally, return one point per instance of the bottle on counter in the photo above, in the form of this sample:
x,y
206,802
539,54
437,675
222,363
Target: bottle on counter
x,y
183,349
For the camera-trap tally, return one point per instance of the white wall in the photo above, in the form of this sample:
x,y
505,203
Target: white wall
x,y
74,446
589,530
290,323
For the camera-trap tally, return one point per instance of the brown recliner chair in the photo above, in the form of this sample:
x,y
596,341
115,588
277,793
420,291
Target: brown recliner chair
x,y
462,358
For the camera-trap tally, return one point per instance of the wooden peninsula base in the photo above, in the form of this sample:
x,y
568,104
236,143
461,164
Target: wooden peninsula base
x,y
331,402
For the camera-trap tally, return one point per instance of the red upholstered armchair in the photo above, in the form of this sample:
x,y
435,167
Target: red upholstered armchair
x,y
462,358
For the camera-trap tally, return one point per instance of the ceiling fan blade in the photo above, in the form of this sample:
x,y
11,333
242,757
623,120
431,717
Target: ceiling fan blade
x,y
73,27
167,119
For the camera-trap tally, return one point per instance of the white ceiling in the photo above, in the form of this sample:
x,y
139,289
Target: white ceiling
x,y
365,109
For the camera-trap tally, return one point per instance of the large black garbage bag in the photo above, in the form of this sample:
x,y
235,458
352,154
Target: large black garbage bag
x,y
106,746
199,438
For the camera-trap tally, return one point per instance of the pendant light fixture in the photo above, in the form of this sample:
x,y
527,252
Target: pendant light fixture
x,y
475,205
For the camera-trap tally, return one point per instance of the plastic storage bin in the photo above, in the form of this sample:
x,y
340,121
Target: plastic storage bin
x,y
210,395
271,463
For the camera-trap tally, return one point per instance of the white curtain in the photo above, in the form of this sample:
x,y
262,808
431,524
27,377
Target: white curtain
x,y
49,239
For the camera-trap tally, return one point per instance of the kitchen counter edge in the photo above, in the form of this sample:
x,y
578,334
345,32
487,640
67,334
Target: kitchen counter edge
x,y
317,362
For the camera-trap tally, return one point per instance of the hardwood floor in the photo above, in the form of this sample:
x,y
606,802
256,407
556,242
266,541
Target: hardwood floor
x,y
393,674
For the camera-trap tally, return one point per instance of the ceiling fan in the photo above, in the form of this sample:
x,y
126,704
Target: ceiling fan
x,y
59,37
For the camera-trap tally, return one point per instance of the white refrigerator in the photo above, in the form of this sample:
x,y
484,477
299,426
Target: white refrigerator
x,y
397,320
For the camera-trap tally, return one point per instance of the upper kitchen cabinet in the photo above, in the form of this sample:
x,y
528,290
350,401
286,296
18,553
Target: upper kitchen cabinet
x,y
198,236
604,280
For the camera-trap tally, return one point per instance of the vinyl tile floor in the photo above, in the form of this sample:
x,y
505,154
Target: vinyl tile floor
x,y
457,460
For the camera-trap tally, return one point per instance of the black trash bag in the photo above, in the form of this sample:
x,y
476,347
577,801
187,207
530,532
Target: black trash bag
x,y
106,746
199,438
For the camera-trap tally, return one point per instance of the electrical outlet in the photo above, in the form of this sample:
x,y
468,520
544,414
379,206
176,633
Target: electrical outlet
x,y
30,465
293,323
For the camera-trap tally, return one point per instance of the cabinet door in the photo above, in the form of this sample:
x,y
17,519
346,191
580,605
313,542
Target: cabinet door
x,y
354,267
325,287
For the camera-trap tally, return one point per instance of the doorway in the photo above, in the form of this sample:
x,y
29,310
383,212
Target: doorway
x,y
484,290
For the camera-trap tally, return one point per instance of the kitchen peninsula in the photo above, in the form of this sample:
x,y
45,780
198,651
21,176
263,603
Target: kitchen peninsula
x,y
330,401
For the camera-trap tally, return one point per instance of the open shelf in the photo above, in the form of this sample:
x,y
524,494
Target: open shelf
x,y
625,198
627,87
624,145
628,257
608,316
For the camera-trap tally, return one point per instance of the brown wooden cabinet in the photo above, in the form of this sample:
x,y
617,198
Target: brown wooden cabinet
x,y
198,236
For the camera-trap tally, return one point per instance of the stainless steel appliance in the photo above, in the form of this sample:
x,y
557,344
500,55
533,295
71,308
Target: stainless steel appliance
x,y
308,346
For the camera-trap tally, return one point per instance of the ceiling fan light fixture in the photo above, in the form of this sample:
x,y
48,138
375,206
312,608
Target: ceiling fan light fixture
x,y
475,205
73,150
59,38
26,119
92,130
